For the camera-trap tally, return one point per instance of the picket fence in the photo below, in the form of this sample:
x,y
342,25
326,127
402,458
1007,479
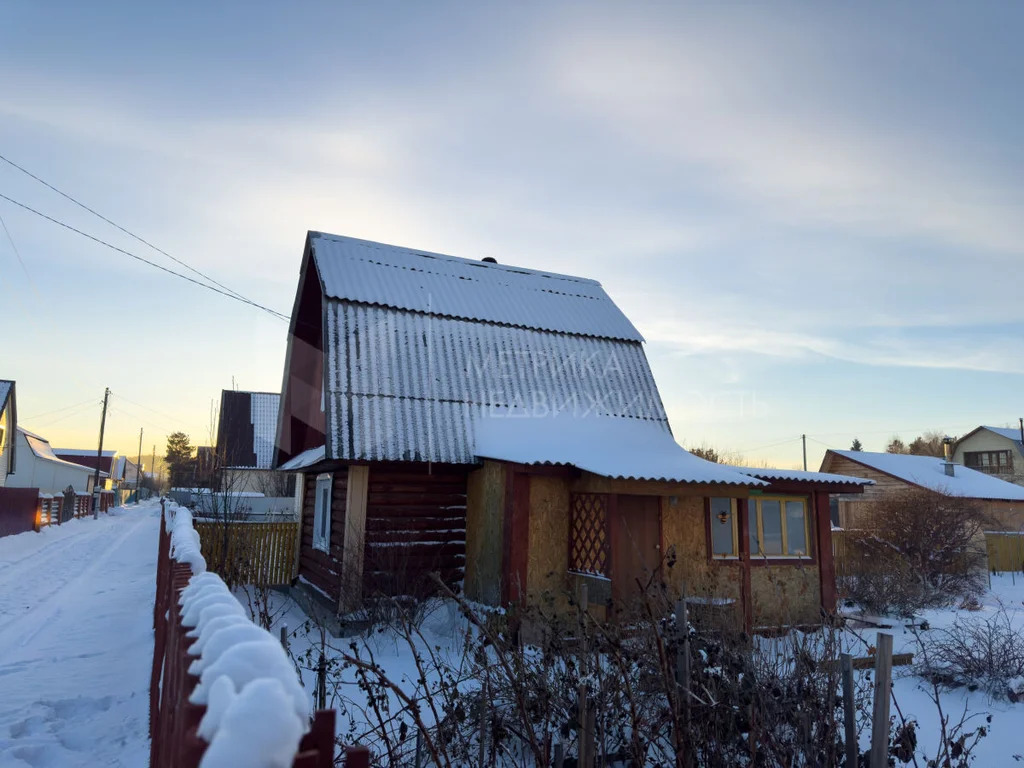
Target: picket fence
x,y
260,554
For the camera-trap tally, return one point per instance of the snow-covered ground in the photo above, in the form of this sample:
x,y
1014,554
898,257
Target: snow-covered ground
x,y
76,641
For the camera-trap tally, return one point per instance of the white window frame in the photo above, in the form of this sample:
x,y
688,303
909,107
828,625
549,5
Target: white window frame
x,y
322,516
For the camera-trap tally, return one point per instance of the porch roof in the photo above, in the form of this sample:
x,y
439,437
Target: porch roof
x,y
621,448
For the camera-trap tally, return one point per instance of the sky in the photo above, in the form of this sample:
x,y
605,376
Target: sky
x,y
812,212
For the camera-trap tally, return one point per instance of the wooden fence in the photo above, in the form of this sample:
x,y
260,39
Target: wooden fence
x,y
173,720
261,554
1005,551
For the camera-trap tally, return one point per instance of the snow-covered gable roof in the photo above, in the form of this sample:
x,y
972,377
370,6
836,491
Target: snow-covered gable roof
x,y
40,446
929,472
631,449
263,414
418,346
799,475
405,278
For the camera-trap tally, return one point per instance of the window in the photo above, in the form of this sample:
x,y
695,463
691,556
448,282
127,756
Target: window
x,y
322,514
724,537
778,527
992,462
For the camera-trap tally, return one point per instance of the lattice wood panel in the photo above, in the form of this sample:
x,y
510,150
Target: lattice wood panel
x,y
589,544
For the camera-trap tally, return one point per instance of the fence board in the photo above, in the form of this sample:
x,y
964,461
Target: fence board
x,y
262,554
1005,551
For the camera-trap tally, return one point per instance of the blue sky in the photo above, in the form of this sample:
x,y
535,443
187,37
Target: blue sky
x,y
812,213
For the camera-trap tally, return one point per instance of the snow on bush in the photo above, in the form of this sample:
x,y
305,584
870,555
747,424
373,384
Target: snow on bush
x,y
257,709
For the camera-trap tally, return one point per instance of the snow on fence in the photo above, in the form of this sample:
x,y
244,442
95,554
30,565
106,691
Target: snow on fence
x,y
223,692
262,554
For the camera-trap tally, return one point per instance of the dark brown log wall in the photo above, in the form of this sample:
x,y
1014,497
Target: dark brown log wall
x,y
415,524
318,568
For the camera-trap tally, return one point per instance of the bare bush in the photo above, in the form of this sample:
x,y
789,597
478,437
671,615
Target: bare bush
x,y
916,549
980,652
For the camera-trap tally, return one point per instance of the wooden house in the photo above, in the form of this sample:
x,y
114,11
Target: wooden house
x,y
246,427
995,451
1002,500
502,426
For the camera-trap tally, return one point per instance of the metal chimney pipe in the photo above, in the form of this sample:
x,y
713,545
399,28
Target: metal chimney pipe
x,y
947,450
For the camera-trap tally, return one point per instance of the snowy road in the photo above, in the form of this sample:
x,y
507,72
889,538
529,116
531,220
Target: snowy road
x,y
76,642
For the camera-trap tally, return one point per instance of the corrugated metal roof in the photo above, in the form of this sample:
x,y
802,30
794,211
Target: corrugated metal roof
x,y
263,414
629,449
405,386
404,278
802,475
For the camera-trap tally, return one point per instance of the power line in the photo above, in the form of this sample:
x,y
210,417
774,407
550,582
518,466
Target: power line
x,y
145,260
140,405
118,226
58,410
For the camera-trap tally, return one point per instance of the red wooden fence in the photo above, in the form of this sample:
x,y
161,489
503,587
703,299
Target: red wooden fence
x,y
173,720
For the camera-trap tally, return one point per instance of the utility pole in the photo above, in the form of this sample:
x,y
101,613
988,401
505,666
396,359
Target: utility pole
x,y
138,470
804,438
152,470
99,458
1022,429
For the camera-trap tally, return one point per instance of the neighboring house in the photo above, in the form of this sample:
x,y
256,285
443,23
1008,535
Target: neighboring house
x,y
39,467
126,472
1003,501
245,444
993,450
110,478
8,429
502,426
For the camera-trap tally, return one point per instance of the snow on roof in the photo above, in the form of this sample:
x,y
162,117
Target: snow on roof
x,y
929,472
405,278
802,475
40,446
83,452
402,386
631,449
305,459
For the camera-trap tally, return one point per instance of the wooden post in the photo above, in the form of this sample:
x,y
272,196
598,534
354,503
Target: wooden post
x,y
849,715
883,692
357,757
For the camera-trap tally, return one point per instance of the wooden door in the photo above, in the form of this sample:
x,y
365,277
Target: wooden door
x,y
636,546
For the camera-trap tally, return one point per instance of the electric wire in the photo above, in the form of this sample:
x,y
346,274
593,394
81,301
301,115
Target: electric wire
x,y
58,410
144,260
117,226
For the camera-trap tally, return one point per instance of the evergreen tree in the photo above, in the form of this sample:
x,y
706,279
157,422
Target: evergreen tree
x,y
856,445
179,459
896,446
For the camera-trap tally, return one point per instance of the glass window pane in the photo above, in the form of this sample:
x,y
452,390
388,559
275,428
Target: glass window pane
x,y
771,525
722,522
752,527
796,533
